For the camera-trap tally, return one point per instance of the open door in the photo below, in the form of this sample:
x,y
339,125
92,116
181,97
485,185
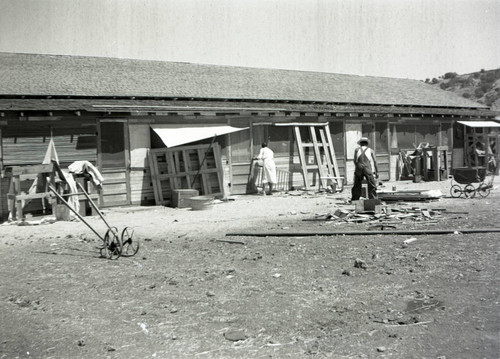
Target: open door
x,y
114,162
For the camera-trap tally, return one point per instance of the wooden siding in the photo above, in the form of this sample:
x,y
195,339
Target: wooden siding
x,y
240,175
383,164
114,188
20,151
141,187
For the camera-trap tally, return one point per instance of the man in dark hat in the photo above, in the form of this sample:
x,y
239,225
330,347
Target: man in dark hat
x,y
365,167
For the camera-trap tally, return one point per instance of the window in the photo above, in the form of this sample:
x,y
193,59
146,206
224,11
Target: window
x,y
381,137
280,139
446,134
427,133
404,137
337,132
112,144
240,146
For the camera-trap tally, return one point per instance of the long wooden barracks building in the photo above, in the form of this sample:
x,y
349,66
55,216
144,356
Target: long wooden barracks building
x,y
143,123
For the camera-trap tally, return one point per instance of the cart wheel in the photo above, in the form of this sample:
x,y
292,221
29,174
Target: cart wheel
x,y
130,248
456,191
483,190
112,248
469,191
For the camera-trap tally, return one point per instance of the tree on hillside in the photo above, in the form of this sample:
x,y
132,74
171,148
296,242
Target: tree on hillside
x,y
450,75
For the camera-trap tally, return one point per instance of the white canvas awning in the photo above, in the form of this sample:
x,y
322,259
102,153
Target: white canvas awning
x,y
175,135
480,123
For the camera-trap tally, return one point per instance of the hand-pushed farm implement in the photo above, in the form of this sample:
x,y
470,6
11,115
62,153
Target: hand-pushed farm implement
x,y
114,243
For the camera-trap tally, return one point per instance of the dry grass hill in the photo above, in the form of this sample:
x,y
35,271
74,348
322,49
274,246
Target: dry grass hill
x,y
482,86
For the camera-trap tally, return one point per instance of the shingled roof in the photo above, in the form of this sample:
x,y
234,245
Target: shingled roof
x,y
79,76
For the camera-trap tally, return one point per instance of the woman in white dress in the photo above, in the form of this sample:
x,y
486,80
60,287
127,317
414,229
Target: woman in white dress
x,y
267,157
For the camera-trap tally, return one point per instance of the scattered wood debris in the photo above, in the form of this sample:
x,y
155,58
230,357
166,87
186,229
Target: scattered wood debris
x,y
385,216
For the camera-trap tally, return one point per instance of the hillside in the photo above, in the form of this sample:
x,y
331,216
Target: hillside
x,y
482,86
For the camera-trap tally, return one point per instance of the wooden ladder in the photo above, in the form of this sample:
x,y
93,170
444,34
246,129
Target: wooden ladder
x,y
330,161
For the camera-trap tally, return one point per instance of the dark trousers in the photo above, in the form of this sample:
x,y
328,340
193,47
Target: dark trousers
x,y
358,180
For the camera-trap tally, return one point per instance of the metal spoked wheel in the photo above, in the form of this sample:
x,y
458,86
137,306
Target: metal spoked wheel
x,y
113,247
470,191
456,191
483,190
130,248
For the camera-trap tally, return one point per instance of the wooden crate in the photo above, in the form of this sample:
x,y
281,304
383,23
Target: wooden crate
x,y
180,197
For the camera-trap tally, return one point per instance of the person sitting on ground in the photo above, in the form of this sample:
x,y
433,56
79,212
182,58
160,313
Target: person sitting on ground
x,y
365,167
269,167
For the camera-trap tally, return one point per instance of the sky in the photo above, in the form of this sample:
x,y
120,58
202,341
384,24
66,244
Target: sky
x,y
415,39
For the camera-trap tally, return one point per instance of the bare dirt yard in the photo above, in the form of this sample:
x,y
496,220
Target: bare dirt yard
x,y
189,293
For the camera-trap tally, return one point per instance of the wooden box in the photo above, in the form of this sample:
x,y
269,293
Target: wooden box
x,y
180,197
367,205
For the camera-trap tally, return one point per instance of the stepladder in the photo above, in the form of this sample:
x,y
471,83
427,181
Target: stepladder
x,y
317,156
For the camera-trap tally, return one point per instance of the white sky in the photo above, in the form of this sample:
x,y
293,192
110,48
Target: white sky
x,y
397,38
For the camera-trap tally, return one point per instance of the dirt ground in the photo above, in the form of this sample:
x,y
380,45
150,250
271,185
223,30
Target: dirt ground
x,y
187,294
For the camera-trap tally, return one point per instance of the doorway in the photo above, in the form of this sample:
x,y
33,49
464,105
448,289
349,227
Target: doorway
x,y
114,162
